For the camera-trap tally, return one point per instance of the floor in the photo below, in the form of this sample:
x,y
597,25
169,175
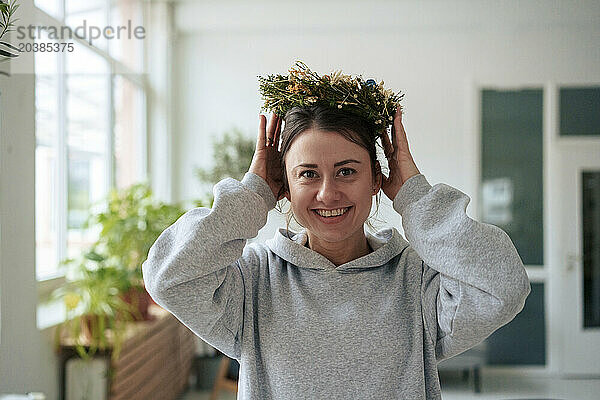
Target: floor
x,y
494,387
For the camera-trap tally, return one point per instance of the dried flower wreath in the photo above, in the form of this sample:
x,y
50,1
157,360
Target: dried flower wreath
x,y
303,87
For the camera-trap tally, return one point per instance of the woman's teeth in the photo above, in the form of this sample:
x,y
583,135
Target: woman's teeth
x,y
332,213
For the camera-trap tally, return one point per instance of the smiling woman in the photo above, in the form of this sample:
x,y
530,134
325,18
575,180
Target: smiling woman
x,y
332,311
332,173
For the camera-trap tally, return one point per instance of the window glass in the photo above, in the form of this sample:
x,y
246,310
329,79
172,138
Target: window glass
x,y
129,132
79,189
90,126
88,19
523,340
580,111
127,44
74,7
590,198
51,7
88,116
88,142
83,61
46,87
45,211
511,168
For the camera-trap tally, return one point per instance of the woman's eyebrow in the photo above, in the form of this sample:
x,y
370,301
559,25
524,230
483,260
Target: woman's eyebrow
x,y
306,166
337,164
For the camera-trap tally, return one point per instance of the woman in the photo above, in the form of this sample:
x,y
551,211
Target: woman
x,y
331,312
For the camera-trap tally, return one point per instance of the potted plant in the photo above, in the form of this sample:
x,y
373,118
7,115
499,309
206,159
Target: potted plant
x,y
96,314
131,223
104,289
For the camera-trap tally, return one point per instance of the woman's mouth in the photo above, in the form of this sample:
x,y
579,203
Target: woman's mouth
x,y
333,215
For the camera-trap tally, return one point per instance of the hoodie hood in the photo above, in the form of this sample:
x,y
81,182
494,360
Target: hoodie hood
x,y
291,246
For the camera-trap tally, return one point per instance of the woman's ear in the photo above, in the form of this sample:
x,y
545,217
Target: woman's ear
x,y
377,179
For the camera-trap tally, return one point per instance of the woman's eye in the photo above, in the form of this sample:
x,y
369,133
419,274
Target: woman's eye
x,y
308,174
346,171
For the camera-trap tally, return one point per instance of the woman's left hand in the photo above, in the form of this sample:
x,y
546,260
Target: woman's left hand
x,y
400,162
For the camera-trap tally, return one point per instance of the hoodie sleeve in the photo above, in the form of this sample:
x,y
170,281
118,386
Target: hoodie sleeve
x,y
195,269
473,280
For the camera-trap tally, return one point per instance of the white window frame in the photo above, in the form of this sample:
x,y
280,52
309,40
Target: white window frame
x,y
116,68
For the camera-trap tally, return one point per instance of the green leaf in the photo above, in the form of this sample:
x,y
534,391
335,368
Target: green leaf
x,y
7,54
10,45
93,256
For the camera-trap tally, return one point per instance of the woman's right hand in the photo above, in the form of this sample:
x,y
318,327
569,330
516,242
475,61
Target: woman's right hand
x,y
266,161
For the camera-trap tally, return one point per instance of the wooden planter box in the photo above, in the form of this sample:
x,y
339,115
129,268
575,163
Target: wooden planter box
x,y
155,360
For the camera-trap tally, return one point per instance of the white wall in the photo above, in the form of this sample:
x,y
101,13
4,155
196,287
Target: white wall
x,y
436,52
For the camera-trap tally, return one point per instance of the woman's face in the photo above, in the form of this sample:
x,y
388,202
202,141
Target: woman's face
x,y
330,185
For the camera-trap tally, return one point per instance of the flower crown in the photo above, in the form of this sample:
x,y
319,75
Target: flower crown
x,y
303,87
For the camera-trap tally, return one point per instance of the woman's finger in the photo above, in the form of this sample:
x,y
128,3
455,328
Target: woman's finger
x,y
271,129
277,133
388,149
260,142
399,137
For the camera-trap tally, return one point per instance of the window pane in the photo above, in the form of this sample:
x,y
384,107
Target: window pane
x,y
87,113
580,111
523,340
51,7
127,44
87,173
79,189
129,132
591,248
511,168
46,99
46,220
88,96
88,18
83,61
88,138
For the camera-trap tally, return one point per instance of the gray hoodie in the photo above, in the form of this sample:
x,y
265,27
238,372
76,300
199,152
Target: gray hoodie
x,y
372,328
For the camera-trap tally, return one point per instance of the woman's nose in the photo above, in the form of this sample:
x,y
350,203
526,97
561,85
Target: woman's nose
x,y
328,192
